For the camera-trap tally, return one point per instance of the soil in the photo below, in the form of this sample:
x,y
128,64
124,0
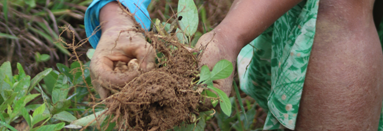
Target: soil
x,y
161,98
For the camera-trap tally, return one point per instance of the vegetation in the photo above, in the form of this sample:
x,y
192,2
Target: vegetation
x,y
59,95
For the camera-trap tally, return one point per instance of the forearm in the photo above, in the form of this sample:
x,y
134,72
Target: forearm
x,y
249,18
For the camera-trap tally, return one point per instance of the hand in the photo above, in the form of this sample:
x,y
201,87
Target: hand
x,y
119,44
126,47
216,48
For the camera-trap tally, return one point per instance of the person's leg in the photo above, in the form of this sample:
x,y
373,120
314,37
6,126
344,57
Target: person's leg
x,y
343,89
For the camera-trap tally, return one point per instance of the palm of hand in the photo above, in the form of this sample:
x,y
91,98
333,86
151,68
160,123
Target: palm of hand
x,y
122,47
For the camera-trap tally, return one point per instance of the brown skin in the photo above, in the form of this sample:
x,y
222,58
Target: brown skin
x,y
342,90
343,87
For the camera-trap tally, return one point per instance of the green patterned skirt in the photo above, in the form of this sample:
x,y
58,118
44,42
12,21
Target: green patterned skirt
x,y
272,68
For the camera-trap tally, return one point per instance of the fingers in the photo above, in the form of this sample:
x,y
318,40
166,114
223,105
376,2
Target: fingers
x,y
146,57
105,75
118,76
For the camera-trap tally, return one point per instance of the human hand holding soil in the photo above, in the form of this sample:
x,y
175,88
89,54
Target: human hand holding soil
x,y
119,44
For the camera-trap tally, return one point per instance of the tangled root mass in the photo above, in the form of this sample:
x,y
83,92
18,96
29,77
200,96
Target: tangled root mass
x,y
161,98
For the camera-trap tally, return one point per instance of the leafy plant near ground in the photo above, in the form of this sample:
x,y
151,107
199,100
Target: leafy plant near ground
x,y
46,106
15,97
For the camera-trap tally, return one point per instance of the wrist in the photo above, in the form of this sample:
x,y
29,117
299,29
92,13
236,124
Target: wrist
x,y
229,39
112,16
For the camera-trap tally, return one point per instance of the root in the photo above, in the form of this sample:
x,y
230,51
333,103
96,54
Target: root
x,y
161,98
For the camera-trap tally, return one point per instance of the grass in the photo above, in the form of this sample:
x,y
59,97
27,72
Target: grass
x,y
33,26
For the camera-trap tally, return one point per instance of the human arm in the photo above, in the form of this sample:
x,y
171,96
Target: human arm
x,y
245,21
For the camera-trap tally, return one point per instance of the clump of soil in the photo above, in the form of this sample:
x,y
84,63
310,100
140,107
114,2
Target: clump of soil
x,y
160,98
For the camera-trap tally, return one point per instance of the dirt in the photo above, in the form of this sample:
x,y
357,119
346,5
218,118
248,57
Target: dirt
x,y
160,98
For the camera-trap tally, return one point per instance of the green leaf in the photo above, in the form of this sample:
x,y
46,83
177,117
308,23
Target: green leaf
x,y
2,117
60,105
167,27
54,127
5,71
5,10
29,98
47,28
76,71
31,3
3,35
26,116
44,57
45,97
90,53
221,70
39,110
189,22
62,82
65,116
20,103
10,81
50,81
38,118
224,100
32,106
205,74
37,56
59,94
181,37
8,126
59,126
8,101
22,87
39,77
21,71
224,121
211,94
59,45
85,120
61,89
9,109
64,69
80,93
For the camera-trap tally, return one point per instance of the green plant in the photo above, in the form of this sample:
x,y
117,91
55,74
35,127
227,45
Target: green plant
x,y
41,57
58,105
221,70
16,94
